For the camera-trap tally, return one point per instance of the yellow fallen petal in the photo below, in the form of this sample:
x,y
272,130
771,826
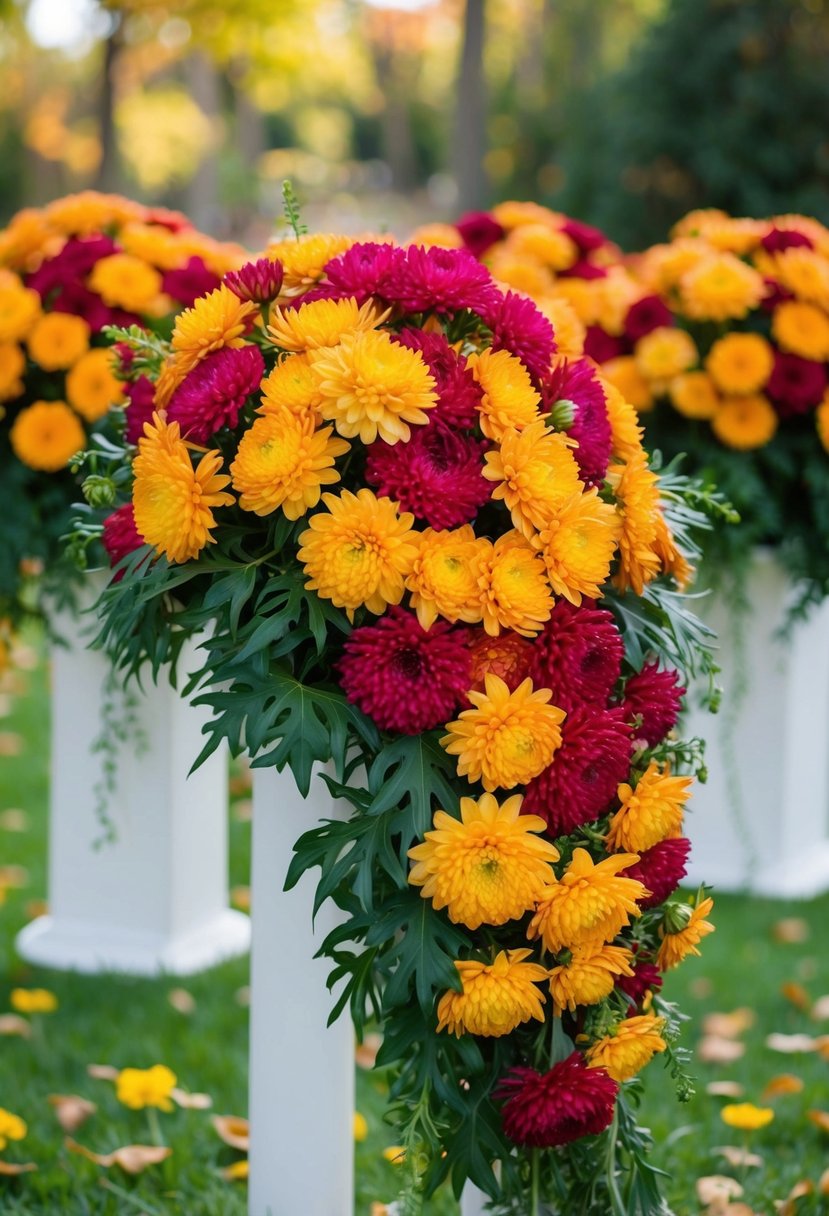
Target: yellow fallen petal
x,y
237,1172
783,1083
395,1153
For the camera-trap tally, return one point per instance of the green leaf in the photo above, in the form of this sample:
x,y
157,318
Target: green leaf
x,y
424,947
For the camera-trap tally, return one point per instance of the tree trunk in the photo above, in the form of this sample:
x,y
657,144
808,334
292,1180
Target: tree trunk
x,y
109,171
470,127
398,140
202,202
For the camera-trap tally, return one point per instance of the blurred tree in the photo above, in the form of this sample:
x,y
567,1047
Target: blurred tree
x,y
724,103
471,111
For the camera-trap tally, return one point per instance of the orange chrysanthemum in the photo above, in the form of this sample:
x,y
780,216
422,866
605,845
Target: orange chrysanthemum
x,y
822,422
514,591
802,271
588,975
486,868
92,386
304,260
173,502
721,288
629,1047
291,388
282,461
46,435
216,320
443,580
693,395
802,329
321,324
12,368
650,812
625,431
509,399
124,281
663,353
740,363
745,423
57,340
19,310
677,945
590,903
536,473
623,373
496,997
506,738
569,329
578,545
637,496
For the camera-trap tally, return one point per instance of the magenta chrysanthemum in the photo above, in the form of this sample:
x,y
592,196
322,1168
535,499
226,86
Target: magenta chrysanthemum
x,y
436,475
593,759
440,280
661,869
259,281
212,395
646,976
578,655
406,678
72,264
602,346
645,315
140,407
479,231
778,239
364,270
576,381
519,327
459,395
190,281
585,236
542,1110
120,536
795,385
652,702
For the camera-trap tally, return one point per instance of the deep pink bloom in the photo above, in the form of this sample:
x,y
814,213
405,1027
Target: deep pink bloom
x,y
406,678
652,702
779,239
645,315
661,869
190,281
140,395
518,326
213,393
440,280
576,381
73,297
602,346
586,237
459,396
479,231
593,759
795,385
578,655
259,281
120,536
72,264
542,1110
645,976
584,270
364,270
775,293
436,475
173,221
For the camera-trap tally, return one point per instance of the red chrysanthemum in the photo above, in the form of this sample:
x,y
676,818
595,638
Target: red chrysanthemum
x,y
120,536
652,702
542,1110
140,407
578,655
507,656
213,393
259,281
406,678
439,280
593,759
479,231
575,380
585,236
72,264
602,346
190,281
778,239
661,869
459,395
646,976
795,385
583,269
519,327
645,315
364,270
436,475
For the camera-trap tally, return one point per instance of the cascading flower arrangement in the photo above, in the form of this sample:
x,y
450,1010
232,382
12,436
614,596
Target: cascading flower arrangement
x,y
738,378
434,556
66,272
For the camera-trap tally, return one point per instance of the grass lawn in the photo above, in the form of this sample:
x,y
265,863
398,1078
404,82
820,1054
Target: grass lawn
x,y
123,1021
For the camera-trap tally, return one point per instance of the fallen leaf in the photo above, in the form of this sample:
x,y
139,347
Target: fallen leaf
x,y
790,1044
701,987
820,1118
182,1001
10,1169
738,1209
102,1072
790,930
240,898
11,744
725,1089
729,1025
822,1046
14,820
242,996
12,1023
71,1111
784,1083
365,1053
14,876
717,1188
716,1050
820,1009
237,1172
823,1183
188,1101
739,1157
35,908
243,810
788,1206
796,994
233,1131
132,1158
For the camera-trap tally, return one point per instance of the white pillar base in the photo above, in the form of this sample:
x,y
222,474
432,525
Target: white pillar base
x,y
761,822
155,899
473,1201
301,1072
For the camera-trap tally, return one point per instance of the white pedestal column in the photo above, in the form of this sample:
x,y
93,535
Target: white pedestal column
x,y
155,898
761,822
473,1201
301,1072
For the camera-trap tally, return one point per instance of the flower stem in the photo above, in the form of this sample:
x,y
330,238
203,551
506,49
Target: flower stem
x,y
535,1192
154,1126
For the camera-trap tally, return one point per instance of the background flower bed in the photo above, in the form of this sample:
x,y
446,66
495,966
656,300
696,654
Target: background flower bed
x,y
744,965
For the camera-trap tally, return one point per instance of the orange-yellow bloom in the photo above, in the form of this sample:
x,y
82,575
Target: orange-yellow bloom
x,y
746,1117
509,399
291,388
321,324
496,997
650,812
33,1000
664,353
46,435
515,594
125,281
57,340
629,1047
19,309
536,473
12,367
216,320
740,363
12,1127
443,580
578,545
677,945
745,423
693,395
637,495
590,903
282,462
623,373
139,1088
92,386
720,288
802,329
589,975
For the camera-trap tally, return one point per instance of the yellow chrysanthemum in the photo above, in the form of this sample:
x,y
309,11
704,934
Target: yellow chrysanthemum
x,y
636,488
584,296
624,375
677,946
509,399
443,580
46,435
174,502
740,363
693,395
663,266
589,975
578,546
321,324
801,328
282,461
371,385
803,272
26,239
90,211
291,388
92,386
650,812
745,423
12,367
515,594
537,473
57,340
625,431
487,867
139,1088
746,1117
33,1000
822,422
217,320
671,557
569,329
124,281
720,288
663,353
515,273
506,738
541,243
590,902
152,243
304,260
496,996
631,1044
615,293
12,1127
437,235
359,552
513,213
19,309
